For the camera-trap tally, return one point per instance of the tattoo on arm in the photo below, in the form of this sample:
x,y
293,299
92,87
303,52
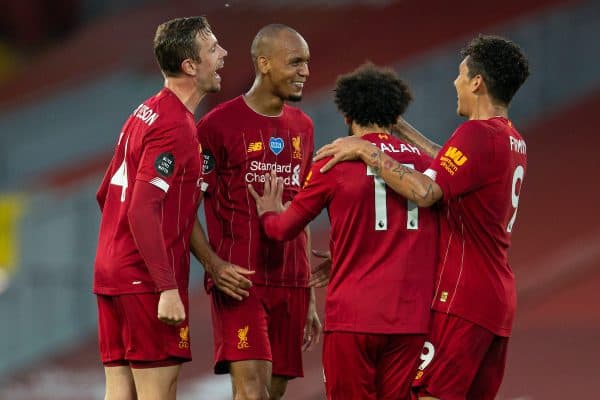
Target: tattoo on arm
x,y
428,194
401,170
375,161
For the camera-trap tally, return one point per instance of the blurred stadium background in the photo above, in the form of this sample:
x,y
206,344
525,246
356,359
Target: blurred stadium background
x,y
72,70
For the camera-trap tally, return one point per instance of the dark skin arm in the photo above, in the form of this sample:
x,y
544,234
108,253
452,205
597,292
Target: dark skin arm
x,y
229,278
321,273
407,182
271,201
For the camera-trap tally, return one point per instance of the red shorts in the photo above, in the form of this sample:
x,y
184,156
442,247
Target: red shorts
x,y
460,360
129,333
267,325
370,366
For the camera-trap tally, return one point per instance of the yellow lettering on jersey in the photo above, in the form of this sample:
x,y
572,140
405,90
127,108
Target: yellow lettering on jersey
x,y
456,155
255,146
444,297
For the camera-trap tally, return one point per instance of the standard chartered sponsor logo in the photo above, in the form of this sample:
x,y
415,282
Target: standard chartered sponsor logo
x,y
258,169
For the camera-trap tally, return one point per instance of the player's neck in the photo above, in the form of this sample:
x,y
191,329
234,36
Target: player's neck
x,y
485,108
186,92
359,130
262,101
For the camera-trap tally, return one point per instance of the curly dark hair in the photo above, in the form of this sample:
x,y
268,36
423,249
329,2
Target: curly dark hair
x,y
372,95
500,62
175,40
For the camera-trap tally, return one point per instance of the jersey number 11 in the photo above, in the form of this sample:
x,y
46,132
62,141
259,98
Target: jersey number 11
x,y
381,220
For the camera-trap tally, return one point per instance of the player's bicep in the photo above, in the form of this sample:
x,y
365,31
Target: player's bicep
x,y
163,154
458,168
207,137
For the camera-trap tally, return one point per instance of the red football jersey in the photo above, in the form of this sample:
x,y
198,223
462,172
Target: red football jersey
x,y
480,171
158,145
383,246
240,146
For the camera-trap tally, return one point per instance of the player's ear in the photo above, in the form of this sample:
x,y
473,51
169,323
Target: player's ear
x,y
263,64
477,83
347,120
188,67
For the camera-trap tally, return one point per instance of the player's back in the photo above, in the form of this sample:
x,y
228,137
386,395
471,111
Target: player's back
x,y
383,249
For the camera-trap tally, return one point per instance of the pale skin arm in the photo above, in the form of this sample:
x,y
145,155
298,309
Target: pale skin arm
x,y
170,307
229,278
410,134
407,182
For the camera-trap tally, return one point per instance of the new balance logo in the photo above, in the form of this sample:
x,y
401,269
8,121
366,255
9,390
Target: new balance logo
x,y
255,146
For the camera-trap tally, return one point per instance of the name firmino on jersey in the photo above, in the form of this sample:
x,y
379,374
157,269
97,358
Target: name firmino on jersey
x,y
518,145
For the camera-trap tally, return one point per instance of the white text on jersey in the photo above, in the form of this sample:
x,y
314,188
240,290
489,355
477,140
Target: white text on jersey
x,y
259,168
518,145
389,148
146,114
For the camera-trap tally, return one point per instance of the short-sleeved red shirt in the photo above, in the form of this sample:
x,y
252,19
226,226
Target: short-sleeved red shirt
x,y
158,145
480,171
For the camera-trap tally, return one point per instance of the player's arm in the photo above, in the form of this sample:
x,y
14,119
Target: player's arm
x,y
410,134
229,278
145,223
321,273
413,185
278,223
312,326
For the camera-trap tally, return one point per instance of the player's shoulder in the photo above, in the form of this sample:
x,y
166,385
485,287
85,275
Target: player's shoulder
x,y
163,112
475,125
492,126
405,152
168,106
297,114
475,132
224,109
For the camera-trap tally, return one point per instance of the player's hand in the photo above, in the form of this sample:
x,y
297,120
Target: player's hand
x,y
271,200
313,327
170,307
343,149
321,273
231,279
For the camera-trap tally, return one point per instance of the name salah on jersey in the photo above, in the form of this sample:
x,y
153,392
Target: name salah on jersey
x,y
403,148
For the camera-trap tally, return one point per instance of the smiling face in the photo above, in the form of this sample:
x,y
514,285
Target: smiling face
x,y
210,59
287,70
